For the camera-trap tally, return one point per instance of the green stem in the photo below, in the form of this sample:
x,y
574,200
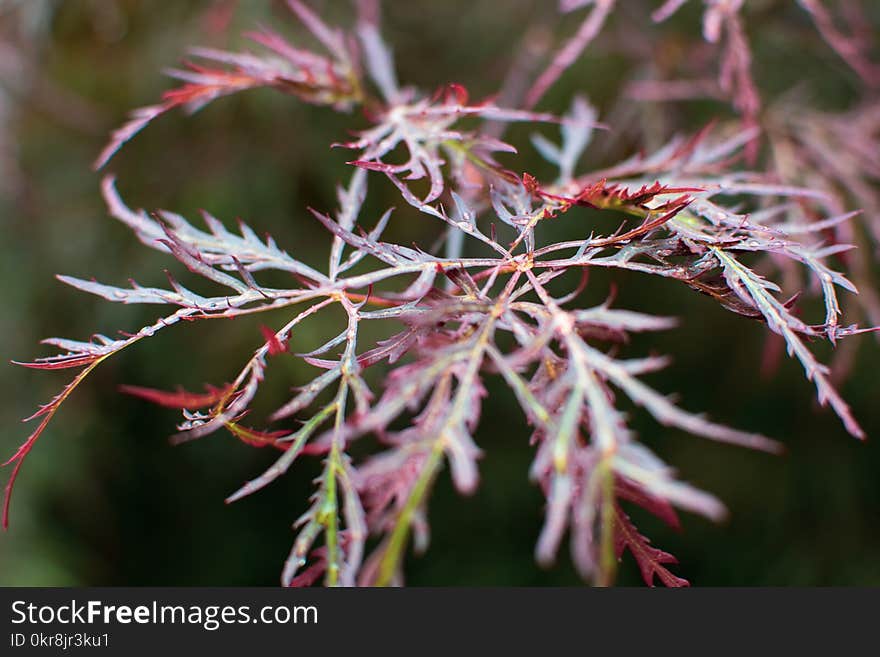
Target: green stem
x,y
400,533
607,557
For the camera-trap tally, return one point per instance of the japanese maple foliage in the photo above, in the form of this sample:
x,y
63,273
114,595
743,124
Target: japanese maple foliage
x,y
703,211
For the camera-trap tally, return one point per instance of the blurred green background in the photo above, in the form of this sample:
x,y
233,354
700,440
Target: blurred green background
x,y
104,500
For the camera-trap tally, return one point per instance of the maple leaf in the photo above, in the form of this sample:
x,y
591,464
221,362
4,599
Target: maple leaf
x,y
651,561
179,398
473,307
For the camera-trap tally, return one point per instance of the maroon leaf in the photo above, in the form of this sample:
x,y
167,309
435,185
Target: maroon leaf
x,y
179,398
649,559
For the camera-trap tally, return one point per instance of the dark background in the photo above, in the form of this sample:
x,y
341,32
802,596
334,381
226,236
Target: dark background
x,y
104,500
